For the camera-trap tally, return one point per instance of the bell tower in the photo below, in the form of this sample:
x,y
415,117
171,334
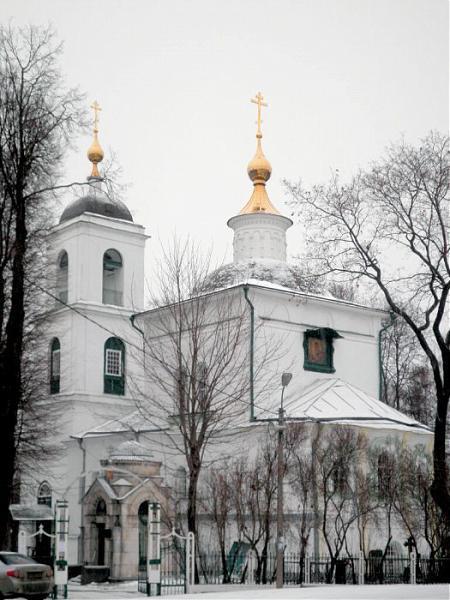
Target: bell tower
x,y
97,275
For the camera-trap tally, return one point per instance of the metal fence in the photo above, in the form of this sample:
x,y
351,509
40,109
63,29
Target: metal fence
x,y
245,566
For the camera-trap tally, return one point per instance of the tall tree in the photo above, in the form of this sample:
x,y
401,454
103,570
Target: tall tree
x,y
389,225
38,116
196,360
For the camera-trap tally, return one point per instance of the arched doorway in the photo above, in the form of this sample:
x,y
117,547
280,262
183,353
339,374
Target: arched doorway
x,y
100,517
142,525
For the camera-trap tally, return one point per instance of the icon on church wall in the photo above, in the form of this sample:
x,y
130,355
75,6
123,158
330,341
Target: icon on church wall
x,y
318,349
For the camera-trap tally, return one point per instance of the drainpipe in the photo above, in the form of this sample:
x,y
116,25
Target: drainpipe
x,y
133,324
252,348
392,317
82,493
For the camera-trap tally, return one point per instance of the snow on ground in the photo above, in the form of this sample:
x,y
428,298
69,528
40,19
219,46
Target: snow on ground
x,y
126,591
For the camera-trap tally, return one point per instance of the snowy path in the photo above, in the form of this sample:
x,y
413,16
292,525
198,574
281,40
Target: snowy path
x,y
127,591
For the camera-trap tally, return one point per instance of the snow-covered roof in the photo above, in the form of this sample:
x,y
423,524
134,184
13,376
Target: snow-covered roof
x,y
130,451
31,512
122,482
133,422
269,270
335,401
269,285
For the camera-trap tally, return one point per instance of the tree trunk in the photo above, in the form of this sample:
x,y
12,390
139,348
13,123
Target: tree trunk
x,y
192,512
10,375
439,487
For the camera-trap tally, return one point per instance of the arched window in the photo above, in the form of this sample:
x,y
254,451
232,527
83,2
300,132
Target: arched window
x,y
100,509
386,474
55,366
62,277
112,278
44,495
114,370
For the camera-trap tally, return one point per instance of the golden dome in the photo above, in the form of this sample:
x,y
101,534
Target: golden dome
x,y
259,170
95,151
95,155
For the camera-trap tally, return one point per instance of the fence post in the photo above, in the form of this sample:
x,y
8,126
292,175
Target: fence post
x,y
412,568
361,568
307,569
250,567
153,574
190,561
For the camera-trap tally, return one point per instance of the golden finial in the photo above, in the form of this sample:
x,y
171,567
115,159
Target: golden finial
x,y
95,152
259,170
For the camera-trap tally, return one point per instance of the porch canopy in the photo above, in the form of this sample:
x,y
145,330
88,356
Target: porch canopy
x,y
31,512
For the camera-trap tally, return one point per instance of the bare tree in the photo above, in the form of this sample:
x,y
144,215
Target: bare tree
x,y
338,456
217,502
407,377
390,226
300,478
416,509
37,119
255,487
196,360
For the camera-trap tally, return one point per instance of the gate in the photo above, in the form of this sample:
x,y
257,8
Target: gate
x,y
166,563
177,563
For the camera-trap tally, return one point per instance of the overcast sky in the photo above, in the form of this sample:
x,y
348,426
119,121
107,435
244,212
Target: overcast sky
x,y
343,78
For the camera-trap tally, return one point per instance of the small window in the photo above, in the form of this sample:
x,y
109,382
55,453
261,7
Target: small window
x,y
44,495
55,366
112,278
62,278
318,349
114,369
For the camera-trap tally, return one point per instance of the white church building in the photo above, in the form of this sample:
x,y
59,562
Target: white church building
x,y
114,459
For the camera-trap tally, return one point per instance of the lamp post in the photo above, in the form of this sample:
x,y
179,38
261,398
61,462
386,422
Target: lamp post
x,y
285,379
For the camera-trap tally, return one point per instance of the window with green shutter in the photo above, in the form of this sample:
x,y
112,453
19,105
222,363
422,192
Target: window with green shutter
x,y
114,367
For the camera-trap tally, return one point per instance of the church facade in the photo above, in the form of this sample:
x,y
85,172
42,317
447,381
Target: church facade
x,y
115,460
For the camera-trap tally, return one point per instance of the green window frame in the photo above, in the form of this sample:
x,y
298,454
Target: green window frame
x,y
55,366
318,349
114,367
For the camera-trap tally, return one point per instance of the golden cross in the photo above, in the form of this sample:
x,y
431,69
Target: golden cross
x,y
96,108
258,99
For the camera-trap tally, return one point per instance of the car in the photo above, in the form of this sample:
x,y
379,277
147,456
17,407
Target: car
x,y
23,577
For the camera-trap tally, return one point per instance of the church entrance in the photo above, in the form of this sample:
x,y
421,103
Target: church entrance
x,y
99,534
42,552
100,543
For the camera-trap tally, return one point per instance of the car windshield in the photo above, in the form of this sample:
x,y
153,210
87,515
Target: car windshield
x,y
16,559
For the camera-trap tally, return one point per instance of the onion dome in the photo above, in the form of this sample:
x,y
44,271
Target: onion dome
x,y
95,151
96,200
259,170
259,228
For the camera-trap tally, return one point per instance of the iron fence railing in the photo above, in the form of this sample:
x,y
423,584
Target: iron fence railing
x,y
245,566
